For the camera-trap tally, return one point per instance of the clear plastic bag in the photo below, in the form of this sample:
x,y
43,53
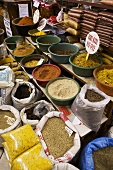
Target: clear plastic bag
x,y
90,113
32,159
19,140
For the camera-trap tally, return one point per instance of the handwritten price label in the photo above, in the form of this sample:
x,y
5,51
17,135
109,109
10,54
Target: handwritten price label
x,y
92,42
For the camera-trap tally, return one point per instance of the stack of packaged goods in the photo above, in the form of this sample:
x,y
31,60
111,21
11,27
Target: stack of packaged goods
x,y
75,14
111,44
104,27
88,22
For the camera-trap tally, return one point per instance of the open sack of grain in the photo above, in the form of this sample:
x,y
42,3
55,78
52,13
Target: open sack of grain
x,y
98,154
23,94
58,136
34,112
9,120
89,106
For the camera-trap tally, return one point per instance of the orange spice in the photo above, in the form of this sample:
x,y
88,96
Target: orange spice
x,y
26,21
46,72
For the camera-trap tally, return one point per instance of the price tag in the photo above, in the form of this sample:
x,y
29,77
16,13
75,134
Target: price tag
x,y
36,16
23,10
42,24
36,4
7,27
92,43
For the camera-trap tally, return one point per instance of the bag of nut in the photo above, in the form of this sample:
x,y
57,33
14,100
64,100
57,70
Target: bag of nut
x,y
58,136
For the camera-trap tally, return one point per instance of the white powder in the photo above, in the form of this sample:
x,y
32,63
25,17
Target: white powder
x,y
63,89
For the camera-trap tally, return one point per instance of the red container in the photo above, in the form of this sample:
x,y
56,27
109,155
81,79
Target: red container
x,y
46,72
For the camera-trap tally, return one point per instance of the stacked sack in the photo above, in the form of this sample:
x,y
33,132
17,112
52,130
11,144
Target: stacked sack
x,y
73,21
104,27
111,43
88,22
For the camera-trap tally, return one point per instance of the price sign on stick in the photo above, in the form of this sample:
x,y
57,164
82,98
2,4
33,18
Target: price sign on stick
x,y
92,43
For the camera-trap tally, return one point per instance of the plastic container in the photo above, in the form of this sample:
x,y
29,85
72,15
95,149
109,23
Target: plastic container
x,y
102,86
46,41
83,71
62,58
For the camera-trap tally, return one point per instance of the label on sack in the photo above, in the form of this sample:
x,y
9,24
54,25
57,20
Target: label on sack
x,y
92,42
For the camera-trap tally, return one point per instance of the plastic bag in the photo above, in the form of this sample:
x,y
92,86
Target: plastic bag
x,y
21,103
90,113
64,166
32,159
86,158
40,108
72,151
19,140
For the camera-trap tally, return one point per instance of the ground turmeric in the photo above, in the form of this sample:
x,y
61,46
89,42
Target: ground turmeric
x,y
26,21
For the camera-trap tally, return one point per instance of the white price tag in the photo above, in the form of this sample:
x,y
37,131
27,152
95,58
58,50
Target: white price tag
x,y
36,4
7,27
92,42
23,10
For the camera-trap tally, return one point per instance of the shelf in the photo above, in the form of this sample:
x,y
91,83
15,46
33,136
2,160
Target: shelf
x,y
99,5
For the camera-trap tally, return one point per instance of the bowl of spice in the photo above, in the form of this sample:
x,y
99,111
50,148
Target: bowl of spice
x,y
24,24
61,52
83,67
46,72
104,79
62,90
1,36
34,33
44,42
22,51
32,61
11,41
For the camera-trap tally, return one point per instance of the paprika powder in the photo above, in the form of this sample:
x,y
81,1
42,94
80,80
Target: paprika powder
x,y
26,21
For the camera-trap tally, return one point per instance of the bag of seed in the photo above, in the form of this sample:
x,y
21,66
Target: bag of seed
x,y
34,112
64,166
6,84
58,136
97,155
9,120
89,106
23,94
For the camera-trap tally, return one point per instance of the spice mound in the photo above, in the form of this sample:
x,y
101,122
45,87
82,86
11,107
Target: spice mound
x,y
26,21
47,72
103,158
63,89
7,119
93,96
56,137
23,50
23,91
63,52
106,76
32,63
80,60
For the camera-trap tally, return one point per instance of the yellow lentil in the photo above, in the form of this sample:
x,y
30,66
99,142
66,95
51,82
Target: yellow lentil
x,y
19,140
32,160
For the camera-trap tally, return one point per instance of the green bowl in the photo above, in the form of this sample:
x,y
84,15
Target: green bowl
x,y
34,37
11,42
83,71
50,39
62,58
62,102
18,58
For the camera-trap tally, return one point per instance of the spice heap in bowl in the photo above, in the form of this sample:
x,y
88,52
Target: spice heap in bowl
x,y
32,61
83,67
62,90
104,79
46,72
61,52
24,24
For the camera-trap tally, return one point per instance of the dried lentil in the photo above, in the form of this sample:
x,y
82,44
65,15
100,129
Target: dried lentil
x,y
56,137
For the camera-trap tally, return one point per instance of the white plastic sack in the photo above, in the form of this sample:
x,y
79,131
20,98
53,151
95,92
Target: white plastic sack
x,y
110,132
33,123
6,85
90,113
16,123
21,103
64,166
6,76
72,151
